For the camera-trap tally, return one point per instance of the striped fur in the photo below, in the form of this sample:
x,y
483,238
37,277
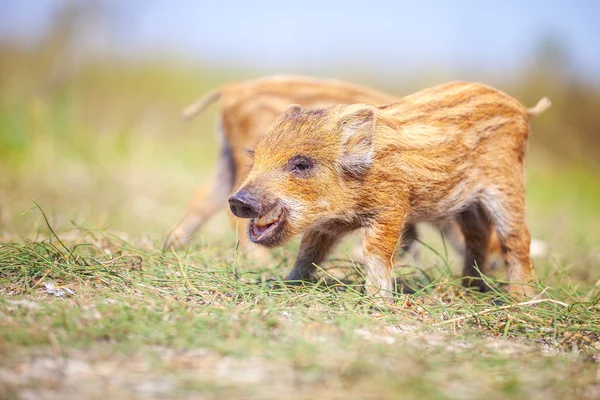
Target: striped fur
x,y
452,151
246,111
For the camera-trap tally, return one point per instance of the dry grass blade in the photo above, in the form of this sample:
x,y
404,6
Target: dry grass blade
x,y
500,308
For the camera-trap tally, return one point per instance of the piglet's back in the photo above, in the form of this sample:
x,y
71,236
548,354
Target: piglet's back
x,y
279,91
457,111
454,96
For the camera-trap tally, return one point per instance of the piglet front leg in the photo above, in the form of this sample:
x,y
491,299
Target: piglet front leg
x,y
314,249
381,238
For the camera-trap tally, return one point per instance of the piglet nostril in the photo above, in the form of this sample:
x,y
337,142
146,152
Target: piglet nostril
x,y
242,205
245,210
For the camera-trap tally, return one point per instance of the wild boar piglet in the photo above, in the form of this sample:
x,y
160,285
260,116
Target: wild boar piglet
x,y
246,111
451,151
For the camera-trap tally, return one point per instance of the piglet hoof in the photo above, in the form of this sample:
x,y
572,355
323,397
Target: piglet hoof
x,y
175,241
296,279
521,292
475,283
382,303
380,299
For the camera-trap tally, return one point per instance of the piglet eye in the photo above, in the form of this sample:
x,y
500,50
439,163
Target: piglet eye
x,y
301,166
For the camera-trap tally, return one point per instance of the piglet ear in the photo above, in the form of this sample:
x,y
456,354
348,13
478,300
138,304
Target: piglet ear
x,y
292,110
356,129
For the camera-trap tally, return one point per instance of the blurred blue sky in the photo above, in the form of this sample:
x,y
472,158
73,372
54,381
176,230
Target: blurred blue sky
x,y
385,36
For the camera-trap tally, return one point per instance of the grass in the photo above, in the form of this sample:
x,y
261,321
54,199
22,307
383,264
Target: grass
x,y
196,327
104,165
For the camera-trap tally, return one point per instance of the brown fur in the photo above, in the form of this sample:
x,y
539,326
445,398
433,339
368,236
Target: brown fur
x,y
453,151
247,110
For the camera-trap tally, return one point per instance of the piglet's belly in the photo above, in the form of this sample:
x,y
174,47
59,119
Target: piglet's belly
x,y
430,208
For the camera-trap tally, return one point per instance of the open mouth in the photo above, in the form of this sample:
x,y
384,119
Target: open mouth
x,y
265,227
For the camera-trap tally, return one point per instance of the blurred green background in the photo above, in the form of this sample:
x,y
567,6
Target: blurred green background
x,y
93,131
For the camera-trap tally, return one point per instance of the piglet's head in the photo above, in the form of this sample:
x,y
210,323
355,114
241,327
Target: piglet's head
x,y
304,171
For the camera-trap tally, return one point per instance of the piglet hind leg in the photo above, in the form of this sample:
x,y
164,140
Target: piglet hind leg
x,y
507,211
207,200
476,228
201,207
515,248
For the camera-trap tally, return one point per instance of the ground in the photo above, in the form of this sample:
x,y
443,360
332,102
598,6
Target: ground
x,y
96,172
